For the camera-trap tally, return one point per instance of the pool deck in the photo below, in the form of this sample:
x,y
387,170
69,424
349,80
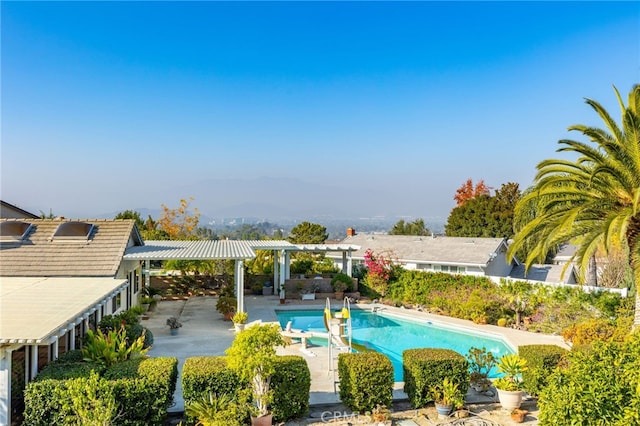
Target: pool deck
x,y
205,333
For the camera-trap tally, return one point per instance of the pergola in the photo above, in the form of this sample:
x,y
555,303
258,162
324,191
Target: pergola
x,y
237,250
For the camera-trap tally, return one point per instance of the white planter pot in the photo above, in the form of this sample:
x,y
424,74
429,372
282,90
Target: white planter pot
x,y
510,400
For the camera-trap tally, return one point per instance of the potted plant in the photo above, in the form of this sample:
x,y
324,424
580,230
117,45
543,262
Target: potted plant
x,y
447,396
481,362
252,355
341,283
509,386
174,325
239,320
226,305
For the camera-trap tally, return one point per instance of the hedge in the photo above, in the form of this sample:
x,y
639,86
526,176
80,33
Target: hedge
x,y
422,368
208,374
291,384
542,360
366,380
143,390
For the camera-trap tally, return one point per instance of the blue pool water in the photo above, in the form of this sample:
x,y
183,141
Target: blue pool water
x,y
391,335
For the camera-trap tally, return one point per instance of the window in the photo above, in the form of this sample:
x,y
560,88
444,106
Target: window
x,y
116,302
14,231
73,231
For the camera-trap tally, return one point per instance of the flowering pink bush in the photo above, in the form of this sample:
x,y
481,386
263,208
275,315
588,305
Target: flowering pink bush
x,y
380,267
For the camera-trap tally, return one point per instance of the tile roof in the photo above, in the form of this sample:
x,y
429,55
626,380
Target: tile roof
x,y
32,309
440,250
40,255
543,273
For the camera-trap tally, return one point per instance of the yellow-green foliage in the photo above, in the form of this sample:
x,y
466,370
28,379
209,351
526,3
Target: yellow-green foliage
x,y
541,360
586,332
599,386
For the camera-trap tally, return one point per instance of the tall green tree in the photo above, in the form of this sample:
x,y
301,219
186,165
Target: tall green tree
x,y
308,233
410,228
594,198
484,215
132,214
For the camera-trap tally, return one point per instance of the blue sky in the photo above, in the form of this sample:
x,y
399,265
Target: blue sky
x,y
108,106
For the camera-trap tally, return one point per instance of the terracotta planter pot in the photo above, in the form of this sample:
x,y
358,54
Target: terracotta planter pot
x,y
262,420
510,400
518,415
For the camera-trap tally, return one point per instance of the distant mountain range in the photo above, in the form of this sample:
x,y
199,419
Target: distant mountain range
x,y
289,201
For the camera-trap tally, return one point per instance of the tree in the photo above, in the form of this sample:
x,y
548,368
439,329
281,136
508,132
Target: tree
x,y
595,197
468,192
412,228
484,215
308,233
131,214
178,223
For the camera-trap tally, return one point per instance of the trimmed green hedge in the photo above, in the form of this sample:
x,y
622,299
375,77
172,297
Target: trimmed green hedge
x,y
291,384
425,367
542,360
366,380
143,390
208,374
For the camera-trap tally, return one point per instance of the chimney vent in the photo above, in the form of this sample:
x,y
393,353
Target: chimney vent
x,y
351,232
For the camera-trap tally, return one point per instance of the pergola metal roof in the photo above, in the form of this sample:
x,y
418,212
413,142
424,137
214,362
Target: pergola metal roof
x,y
190,250
220,249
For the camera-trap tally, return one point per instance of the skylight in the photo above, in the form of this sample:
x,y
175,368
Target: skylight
x,y
73,231
14,231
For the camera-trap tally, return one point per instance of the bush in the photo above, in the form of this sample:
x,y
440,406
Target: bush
x,y
208,374
424,367
366,380
291,383
141,389
599,386
586,332
541,360
342,282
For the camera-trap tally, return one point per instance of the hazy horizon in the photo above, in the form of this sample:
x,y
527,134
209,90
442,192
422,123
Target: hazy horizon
x,y
330,109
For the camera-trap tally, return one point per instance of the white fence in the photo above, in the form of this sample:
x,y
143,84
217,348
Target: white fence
x,y
586,288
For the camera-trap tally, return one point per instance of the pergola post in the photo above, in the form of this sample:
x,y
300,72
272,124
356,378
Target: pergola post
x,y
350,264
34,362
239,278
287,265
5,387
281,260
147,274
276,268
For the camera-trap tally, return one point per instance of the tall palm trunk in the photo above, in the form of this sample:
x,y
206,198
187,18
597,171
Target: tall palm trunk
x,y
592,272
633,233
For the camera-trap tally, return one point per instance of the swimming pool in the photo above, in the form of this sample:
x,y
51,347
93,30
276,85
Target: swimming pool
x,y
391,335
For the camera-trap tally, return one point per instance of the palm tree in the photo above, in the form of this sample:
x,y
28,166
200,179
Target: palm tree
x,y
594,199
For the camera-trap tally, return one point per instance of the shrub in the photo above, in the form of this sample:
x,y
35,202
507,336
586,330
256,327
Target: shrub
x,y
541,360
599,386
214,410
141,390
424,367
108,349
586,332
366,380
342,282
291,383
43,403
208,374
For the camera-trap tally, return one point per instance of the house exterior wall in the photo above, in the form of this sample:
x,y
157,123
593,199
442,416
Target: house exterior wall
x,y
498,267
